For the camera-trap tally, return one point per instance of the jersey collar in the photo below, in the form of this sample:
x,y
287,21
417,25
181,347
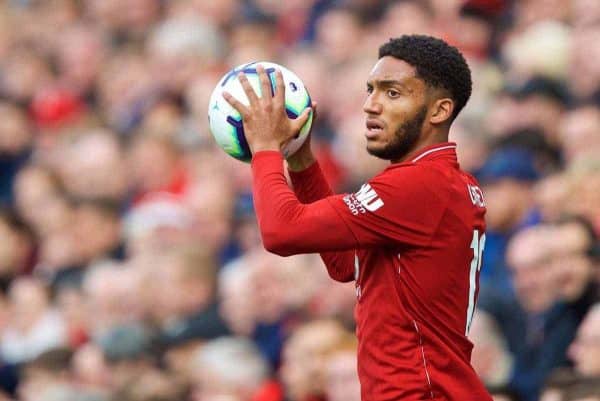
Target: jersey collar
x,y
443,149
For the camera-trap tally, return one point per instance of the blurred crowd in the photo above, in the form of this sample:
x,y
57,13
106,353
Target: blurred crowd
x,y
131,268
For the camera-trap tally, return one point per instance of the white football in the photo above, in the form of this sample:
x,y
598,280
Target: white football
x,y
226,123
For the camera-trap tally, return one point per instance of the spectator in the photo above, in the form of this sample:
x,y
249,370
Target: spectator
x,y
341,375
584,182
584,75
99,229
551,194
505,177
491,356
16,141
234,368
128,352
337,32
90,370
557,384
304,356
24,72
153,385
47,377
577,132
36,191
542,321
81,52
575,245
586,390
155,167
186,307
181,46
34,326
585,350
93,167
17,252
164,220
111,292
237,304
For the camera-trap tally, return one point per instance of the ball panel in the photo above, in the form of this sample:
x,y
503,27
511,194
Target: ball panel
x,y
244,152
293,111
232,74
292,146
224,133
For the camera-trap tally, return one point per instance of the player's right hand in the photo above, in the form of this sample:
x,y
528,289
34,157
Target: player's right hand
x,y
266,124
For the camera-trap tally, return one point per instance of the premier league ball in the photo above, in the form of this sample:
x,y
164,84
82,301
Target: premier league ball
x,y
226,123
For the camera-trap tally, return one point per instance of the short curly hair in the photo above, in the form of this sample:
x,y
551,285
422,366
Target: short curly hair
x,y
436,62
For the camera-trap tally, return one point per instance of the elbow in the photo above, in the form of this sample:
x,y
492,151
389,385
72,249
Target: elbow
x,y
275,242
342,277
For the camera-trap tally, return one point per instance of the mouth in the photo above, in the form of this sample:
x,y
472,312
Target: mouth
x,y
374,127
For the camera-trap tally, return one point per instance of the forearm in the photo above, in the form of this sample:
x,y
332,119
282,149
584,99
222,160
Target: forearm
x,y
310,185
301,160
288,226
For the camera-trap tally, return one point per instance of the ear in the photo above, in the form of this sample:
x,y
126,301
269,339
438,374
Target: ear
x,y
441,111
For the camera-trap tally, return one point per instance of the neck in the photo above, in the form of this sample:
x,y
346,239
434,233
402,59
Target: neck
x,y
423,142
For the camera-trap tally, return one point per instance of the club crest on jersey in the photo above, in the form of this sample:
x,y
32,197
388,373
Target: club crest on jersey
x,y
476,195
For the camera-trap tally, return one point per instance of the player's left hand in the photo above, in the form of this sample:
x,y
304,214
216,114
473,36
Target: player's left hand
x,y
266,124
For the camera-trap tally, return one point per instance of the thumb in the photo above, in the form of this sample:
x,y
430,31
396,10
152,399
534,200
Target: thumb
x,y
299,122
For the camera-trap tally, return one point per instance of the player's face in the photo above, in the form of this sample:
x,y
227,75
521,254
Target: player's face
x,y
395,109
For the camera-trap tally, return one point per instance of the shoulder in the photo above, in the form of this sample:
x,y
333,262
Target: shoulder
x,y
404,186
419,177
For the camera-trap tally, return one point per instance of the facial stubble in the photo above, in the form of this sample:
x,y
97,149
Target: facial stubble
x,y
404,139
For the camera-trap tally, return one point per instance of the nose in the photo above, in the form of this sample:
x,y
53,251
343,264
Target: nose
x,y
372,105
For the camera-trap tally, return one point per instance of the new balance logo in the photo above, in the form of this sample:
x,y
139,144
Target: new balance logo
x,y
367,197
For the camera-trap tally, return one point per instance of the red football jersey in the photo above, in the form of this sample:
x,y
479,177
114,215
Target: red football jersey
x,y
412,239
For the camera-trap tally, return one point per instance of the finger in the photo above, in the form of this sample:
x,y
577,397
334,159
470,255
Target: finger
x,y
314,116
265,83
314,109
248,89
236,104
279,89
299,122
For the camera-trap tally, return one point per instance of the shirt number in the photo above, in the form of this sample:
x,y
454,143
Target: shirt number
x,y
477,245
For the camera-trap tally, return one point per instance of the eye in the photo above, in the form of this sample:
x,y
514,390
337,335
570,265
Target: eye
x,y
393,93
369,89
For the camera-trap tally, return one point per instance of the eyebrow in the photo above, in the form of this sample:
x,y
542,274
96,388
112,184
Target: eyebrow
x,y
387,82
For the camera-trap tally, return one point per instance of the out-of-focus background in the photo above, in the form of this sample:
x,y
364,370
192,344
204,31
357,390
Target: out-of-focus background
x,y
131,268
